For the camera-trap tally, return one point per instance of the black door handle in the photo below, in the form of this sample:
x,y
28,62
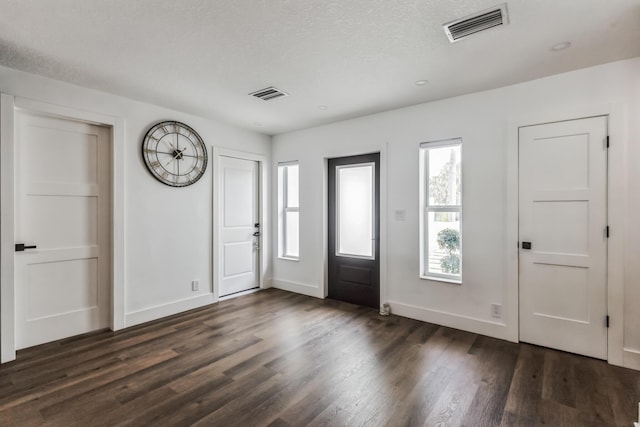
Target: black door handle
x,y
256,234
526,245
21,247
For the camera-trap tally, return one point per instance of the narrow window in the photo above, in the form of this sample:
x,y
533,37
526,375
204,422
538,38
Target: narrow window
x,y
288,233
441,210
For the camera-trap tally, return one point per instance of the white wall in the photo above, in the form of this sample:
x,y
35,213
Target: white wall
x,y
161,264
482,121
168,231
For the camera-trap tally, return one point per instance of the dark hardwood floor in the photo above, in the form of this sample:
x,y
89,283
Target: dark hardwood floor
x,y
275,358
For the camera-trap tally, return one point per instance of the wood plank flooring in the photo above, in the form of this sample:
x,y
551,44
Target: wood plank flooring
x,y
275,358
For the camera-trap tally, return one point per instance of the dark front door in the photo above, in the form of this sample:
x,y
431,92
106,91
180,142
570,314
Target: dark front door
x,y
354,229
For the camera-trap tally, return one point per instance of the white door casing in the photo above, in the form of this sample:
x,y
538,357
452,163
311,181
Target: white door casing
x,y
62,205
239,186
563,214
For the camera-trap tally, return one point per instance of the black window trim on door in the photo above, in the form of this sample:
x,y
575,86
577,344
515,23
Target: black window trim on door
x,y
353,291
375,197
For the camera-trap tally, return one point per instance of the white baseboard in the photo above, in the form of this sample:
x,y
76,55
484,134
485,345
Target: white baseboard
x,y
465,323
297,287
164,310
631,359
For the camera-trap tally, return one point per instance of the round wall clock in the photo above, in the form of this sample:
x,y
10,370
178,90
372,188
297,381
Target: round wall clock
x,y
174,154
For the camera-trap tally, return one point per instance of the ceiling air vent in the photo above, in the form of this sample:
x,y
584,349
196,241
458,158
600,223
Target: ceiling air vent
x,y
268,93
464,27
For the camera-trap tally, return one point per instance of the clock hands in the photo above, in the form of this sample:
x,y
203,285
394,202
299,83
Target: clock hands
x,y
176,155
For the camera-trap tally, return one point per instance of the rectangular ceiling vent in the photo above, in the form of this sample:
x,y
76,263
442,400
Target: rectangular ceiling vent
x,y
268,93
464,27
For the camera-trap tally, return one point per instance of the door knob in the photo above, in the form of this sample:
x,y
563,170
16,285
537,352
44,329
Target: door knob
x,y
526,245
256,225
256,234
20,247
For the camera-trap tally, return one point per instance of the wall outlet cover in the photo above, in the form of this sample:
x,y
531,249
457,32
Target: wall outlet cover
x,y
496,311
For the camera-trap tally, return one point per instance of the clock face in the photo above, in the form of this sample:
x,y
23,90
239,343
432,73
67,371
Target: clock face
x,y
174,154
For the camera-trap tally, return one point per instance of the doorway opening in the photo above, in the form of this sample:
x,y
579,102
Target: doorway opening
x,y
354,229
563,235
238,223
63,227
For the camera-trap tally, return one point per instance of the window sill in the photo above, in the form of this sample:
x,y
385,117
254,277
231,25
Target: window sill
x,y
288,258
442,279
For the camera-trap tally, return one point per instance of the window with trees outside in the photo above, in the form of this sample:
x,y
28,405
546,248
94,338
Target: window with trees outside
x,y
441,210
288,211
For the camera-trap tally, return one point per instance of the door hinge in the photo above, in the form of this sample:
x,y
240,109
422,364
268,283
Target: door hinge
x,y
606,320
607,231
607,141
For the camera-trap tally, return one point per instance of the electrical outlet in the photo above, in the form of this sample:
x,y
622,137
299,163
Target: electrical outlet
x,y
195,285
496,311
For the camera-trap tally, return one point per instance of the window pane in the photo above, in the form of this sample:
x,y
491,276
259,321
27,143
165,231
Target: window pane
x,y
355,210
292,186
443,243
444,175
291,242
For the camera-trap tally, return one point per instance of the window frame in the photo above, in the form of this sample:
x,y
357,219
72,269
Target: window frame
x,y
425,209
373,213
284,208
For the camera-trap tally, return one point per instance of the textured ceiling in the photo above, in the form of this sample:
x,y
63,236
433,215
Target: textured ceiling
x,y
354,56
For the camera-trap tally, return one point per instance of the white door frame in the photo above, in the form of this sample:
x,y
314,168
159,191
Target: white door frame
x,y
263,261
616,207
8,105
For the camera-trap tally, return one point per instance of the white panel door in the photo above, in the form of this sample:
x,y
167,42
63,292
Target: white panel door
x,y
563,216
63,208
240,228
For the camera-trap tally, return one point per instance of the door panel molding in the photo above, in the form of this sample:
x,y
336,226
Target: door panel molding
x,y
8,104
616,206
217,244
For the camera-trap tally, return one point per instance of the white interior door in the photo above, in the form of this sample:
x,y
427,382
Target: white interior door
x,y
63,208
563,216
240,228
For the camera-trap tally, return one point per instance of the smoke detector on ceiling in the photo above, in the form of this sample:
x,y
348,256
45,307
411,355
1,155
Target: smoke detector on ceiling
x,y
268,93
464,27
